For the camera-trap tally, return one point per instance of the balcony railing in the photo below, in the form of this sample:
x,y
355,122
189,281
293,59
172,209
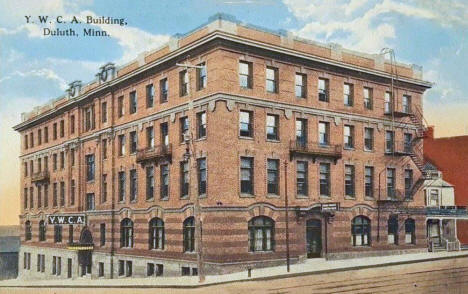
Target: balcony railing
x,y
451,211
42,176
389,195
155,153
399,148
315,150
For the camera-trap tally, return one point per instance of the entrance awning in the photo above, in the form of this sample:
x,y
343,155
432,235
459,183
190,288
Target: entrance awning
x,y
79,247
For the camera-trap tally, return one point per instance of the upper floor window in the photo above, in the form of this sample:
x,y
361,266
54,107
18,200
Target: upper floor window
x,y
149,182
72,124
247,175
368,99
121,145
133,185
42,231
301,85
90,205
201,124
133,102
150,137
349,180
302,178
301,131
201,166
324,179
245,124
46,134
90,167
57,233
104,148
273,176
368,139
88,118
245,74
272,127
389,142
323,90
31,138
120,106
324,133
163,90
103,188
408,183
27,231
406,103
39,137
54,135
149,95
201,76
164,133
184,127
272,80
391,193
104,112
183,83
121,186
26,142
133,142
348,94
369,181
164,181
348,136
184,179
388,102
62,129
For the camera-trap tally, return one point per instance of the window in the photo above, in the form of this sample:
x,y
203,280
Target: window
x,y
201,125
62,194
46,195
301,85
154,269
245,124
348,136
410,231
156,233
90,201
57,233
272,80
406,104
55,195
25,198
54,162
90,167
88,115
368,99
72,156
27,260
163,89
133,185
164,133
201,165
102,234
39,196
189,234
121,267
369,181
104,188
164,181
348,94
408,142
433,198
46,163
26,142
42,231
62,160
273,176
389,142
325,179
360,231
54,132
39,137
324,133
128,268
104,112
122,186
302,178
121,145
349,181
41,263
392,226
408,183
245,75
184,127
261,234
201,76
149,96
31,139
72,192
46,134
133,102
391,193
150,137
62,129
184,179
104,148
183,83
25,165
31,166
272,127
120,106
101,269
126,233
27,231
247,175
133,142
31,197
149,182
70,234
72,124
323,90
388,102
368,139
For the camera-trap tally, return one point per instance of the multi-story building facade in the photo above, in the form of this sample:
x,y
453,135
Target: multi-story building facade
x,y
267,117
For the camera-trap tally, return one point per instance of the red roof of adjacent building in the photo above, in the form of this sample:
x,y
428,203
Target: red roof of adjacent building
x,y
450,156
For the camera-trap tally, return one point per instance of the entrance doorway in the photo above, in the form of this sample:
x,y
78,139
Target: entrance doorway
x,y
314,238
85,257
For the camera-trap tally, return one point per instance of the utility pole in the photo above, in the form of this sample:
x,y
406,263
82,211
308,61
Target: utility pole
x,y
190,157
286,206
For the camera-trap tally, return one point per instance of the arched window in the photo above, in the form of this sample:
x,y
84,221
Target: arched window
x,y
261,234
27,230
42,231
156,233
360,230
126,233
410,231
189,234
392,229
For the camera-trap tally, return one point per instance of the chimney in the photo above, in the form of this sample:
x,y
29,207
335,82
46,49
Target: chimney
x,y
430,132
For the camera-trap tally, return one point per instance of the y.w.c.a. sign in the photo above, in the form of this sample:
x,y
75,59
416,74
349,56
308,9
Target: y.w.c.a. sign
x,y
63,219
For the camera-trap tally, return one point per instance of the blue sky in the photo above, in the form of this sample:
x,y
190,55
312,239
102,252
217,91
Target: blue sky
x,y
35,69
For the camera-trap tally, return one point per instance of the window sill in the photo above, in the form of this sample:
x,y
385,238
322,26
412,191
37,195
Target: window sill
x,y
273,196
347,197
150,199
261,252
325,197
302,197
133,201
164,199
369,150
200,139
184,197
273,141
246,195
368,198
202,196
348,148
246,138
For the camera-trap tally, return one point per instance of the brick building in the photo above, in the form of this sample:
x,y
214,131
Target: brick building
x,y
265,113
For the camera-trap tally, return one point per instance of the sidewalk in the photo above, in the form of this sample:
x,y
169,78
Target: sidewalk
x,y
311,266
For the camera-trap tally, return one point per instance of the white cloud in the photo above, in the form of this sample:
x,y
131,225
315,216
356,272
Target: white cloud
x,y
45,73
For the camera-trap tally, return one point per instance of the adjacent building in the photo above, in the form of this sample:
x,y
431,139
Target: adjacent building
x,y
9,249
237,119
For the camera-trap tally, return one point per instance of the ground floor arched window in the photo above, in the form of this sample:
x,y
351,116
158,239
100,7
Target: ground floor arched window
x,y
392,229
189,234
360,231
410,231
261,234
